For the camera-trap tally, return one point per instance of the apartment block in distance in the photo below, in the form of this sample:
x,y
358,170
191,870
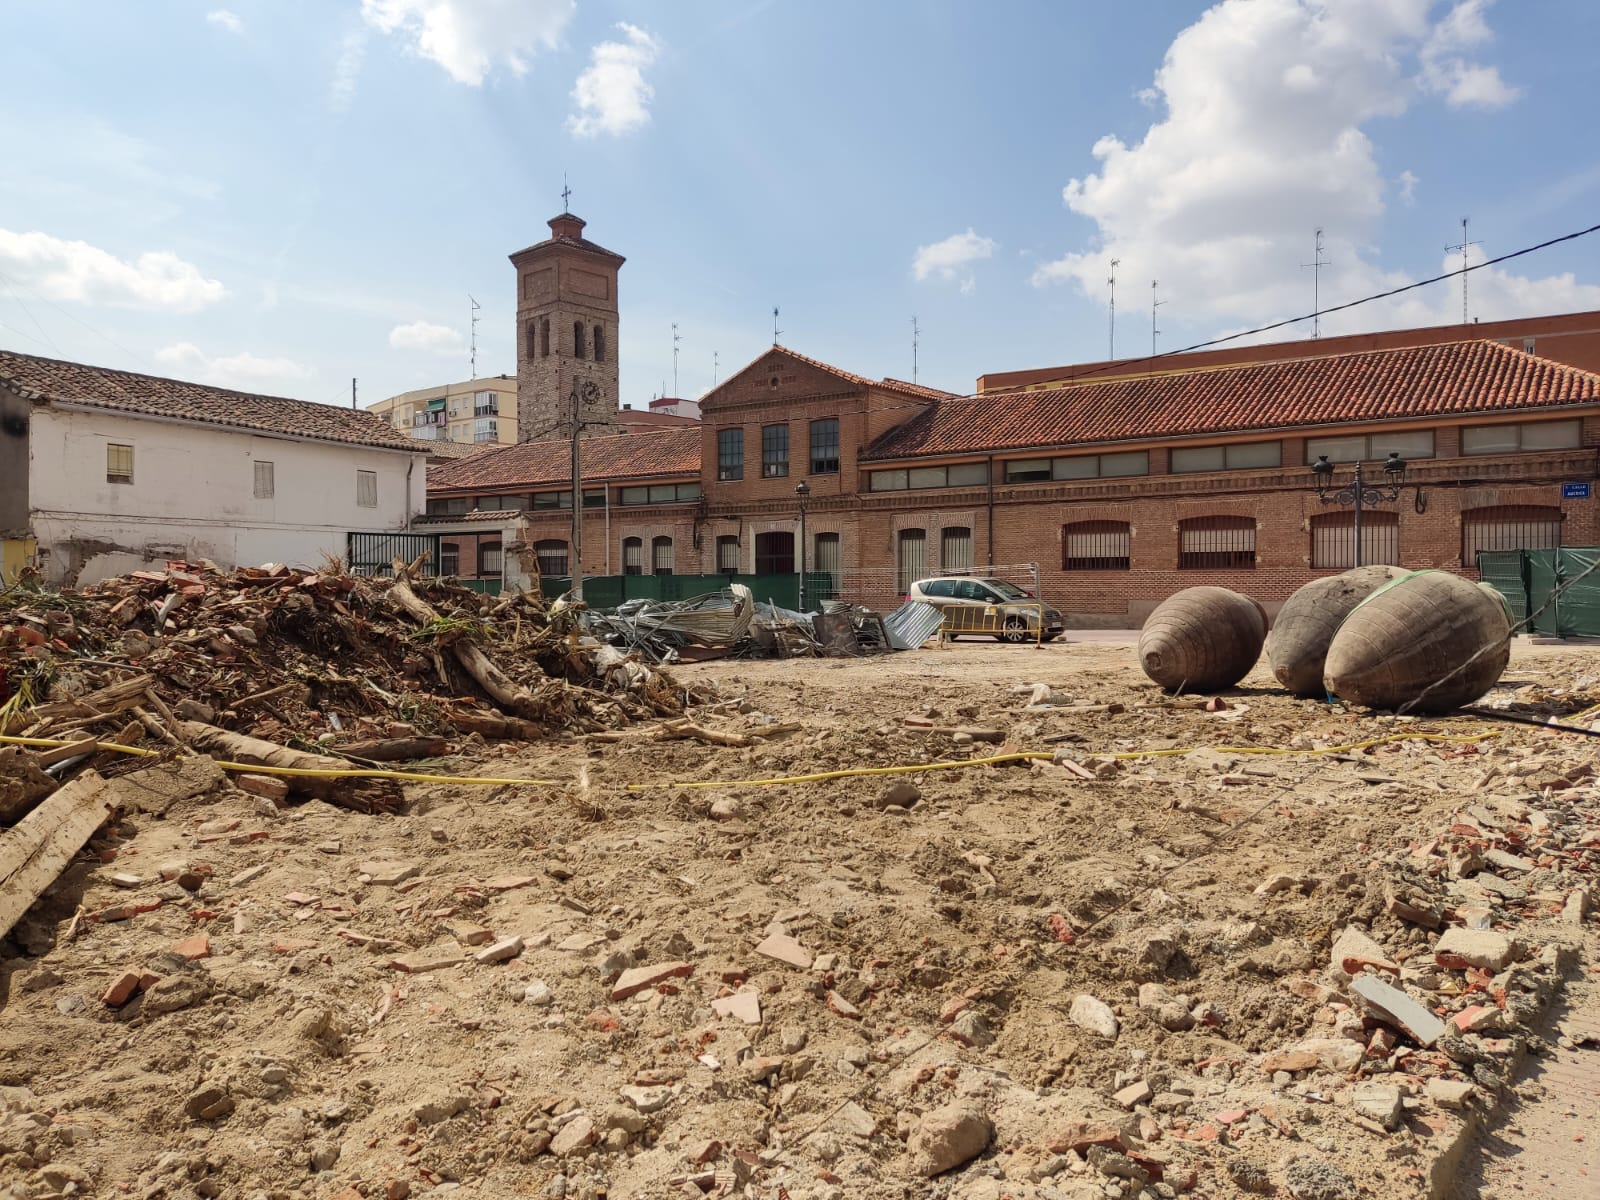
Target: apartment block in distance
x,y
475,411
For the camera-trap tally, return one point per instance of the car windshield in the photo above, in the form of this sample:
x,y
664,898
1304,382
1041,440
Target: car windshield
x,y
1007,591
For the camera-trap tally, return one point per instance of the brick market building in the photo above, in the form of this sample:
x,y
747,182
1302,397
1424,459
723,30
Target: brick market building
x,y
1122,491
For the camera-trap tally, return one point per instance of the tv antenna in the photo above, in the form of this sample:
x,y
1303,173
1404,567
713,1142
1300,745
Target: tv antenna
x,y
1154,304
775,330
1112,284
1464,273
675,340
1316,264
473,318
714,368
916,335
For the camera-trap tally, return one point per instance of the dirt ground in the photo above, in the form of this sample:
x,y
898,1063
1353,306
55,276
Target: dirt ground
x,y
922,1003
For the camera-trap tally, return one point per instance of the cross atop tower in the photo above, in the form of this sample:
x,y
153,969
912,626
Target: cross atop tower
x,y
566,194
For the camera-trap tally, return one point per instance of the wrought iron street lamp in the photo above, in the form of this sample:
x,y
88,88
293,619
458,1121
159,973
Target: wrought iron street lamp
x,y
802,492
1358,493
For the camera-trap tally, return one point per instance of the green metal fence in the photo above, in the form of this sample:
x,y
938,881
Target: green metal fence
x,y
1552,585
608,591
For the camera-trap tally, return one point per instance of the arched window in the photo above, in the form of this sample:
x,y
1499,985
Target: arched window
x,y
1217,543
661,556
633,556
1095,546
955,549
599,343
1509,527
577,339
1333,539
532,341
727,554
544,339
552,555
910,558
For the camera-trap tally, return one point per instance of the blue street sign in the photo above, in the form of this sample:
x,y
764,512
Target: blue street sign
x,y
1574,491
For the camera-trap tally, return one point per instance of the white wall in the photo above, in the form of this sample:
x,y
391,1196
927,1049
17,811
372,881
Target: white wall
x,y
193,495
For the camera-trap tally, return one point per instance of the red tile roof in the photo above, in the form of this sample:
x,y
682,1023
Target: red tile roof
x,y
51,379
456,450
643,455
1412,382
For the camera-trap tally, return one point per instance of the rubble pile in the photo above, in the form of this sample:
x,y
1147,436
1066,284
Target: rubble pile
x,y
311,659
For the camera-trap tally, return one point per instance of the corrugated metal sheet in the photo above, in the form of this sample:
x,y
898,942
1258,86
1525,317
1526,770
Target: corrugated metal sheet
x,y
912,624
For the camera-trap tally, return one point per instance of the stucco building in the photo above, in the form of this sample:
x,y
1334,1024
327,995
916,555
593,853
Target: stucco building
x,y
104,471
469,412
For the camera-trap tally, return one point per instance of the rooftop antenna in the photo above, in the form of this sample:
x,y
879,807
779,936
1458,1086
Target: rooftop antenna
x,y
1463,248
775,330
474,319
713,368
1154,304
916,335
675,340
352,391
566,194
1112,283
1316,264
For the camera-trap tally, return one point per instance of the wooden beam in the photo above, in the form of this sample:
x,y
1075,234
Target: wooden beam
x,y
35,851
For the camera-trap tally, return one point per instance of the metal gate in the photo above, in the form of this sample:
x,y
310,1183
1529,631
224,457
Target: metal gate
x,y
373,554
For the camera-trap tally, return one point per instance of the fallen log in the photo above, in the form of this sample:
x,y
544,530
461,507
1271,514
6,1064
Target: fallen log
x,y
507,694
396,749
94,706
35,851
492,725
362,795
686,729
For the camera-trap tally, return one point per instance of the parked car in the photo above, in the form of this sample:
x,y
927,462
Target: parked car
x,y
1017,613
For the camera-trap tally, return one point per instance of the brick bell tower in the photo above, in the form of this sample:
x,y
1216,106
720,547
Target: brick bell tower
x,y
566,333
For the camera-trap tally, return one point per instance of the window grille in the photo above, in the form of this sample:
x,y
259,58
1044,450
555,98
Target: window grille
x,y
265,483
774,451
552,556
911,558
1509,527
661,556
1095,546
1217,543
1333,539
955,549
633,556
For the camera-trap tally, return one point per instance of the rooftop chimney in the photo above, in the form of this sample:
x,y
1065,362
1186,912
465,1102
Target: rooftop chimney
x,y
567,225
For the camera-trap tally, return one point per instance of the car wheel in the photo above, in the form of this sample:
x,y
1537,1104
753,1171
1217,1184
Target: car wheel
x,y
1016,631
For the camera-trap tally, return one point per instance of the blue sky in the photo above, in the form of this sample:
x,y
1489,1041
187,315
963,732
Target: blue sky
x,y
282,194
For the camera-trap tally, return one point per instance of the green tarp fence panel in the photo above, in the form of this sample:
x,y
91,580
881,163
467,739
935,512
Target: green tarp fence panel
x,y
1503,570
608,591
1560,588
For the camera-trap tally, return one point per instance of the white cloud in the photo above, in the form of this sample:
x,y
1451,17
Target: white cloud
x,y
612,95
245,371
424,335
1408,187
950,258
63,270
347,71
469,38
1260,139
1447,73
225,20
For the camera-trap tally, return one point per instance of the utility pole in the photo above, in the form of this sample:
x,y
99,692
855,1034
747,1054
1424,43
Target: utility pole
x,y
675,340
1316,264
915,336
1154,304
1463,248
583,392
1112,284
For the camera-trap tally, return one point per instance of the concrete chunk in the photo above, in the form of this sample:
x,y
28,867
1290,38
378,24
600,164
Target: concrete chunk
x,y
1476,948
1393,1005
637,979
